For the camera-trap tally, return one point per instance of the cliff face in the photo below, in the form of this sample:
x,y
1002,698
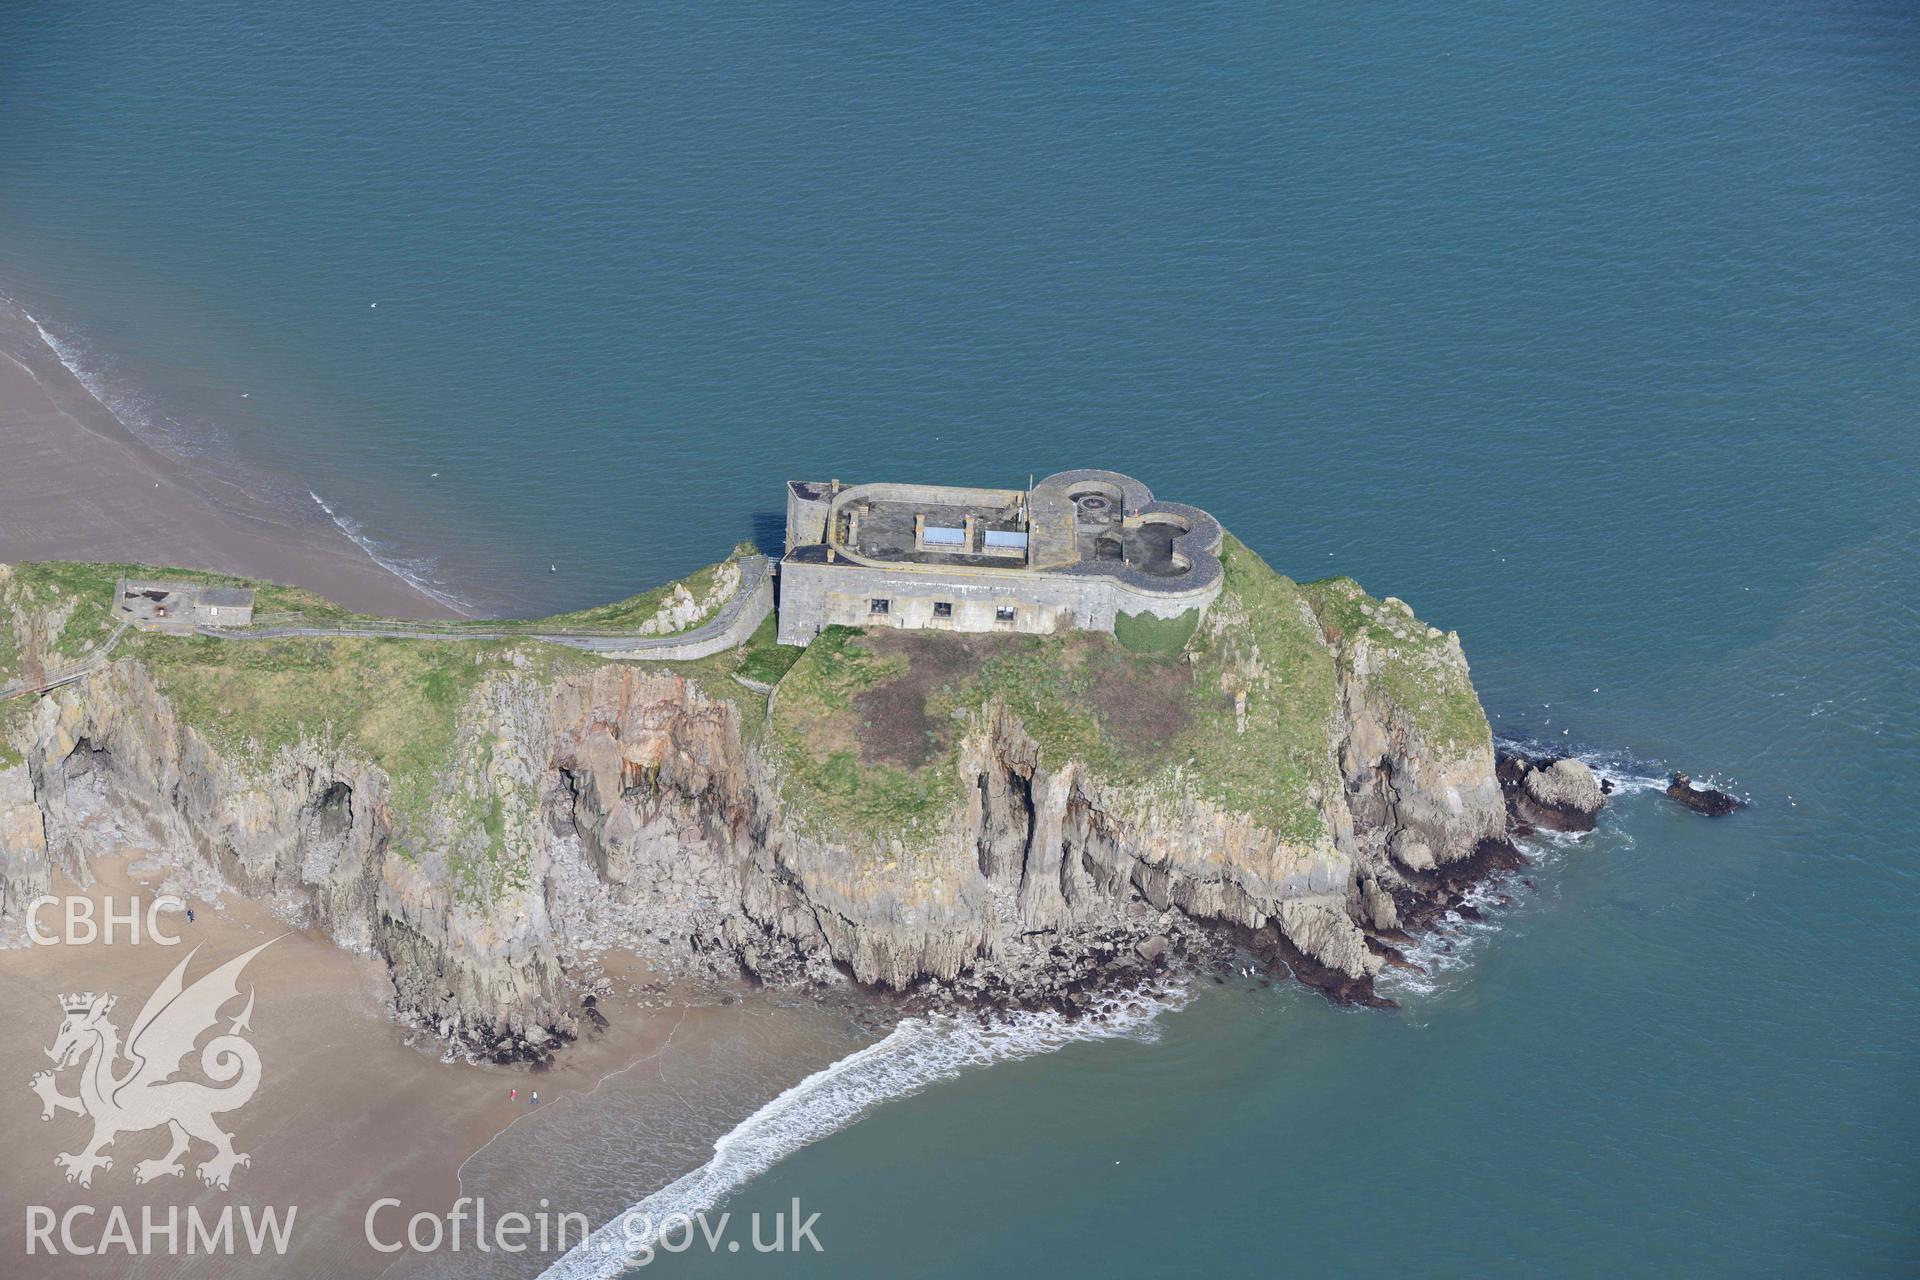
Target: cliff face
x,y
1318,766
1417,759
109,765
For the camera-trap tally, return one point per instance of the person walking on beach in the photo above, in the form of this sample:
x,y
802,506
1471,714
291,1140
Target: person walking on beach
x,y
536,1097
513,1095
189,915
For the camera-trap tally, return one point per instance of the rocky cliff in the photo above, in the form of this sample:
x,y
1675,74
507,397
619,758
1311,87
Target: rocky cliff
x,y
958,817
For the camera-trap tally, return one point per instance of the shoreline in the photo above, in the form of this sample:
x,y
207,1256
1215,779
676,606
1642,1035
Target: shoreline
x,y
80,485
355,1108
66,494
347,1110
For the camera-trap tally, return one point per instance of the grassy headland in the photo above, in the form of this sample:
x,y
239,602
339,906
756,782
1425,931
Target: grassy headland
x,y
868,724
1240,709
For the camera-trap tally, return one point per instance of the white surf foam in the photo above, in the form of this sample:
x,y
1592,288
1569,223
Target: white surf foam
x,y
132,410
1627,773
1448,945
416,573
137,413
915,1054
1445,947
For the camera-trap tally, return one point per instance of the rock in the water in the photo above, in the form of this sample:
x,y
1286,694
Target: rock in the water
x,y
1715,804
1561,795
1567,785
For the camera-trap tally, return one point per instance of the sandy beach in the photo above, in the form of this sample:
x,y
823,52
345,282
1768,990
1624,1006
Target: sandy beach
x,y
352,1108
75,484
348,1113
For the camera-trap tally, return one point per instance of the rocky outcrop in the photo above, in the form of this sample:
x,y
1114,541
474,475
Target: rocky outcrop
x,y
1557,794
1702,800
681,609
23,842
109,766
612,805
1424,809
1415,804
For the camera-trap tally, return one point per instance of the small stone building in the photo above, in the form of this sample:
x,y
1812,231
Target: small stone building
x,y
181,606
1071,552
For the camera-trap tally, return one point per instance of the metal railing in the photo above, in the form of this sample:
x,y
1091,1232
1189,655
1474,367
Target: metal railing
x,y
64,675
753,577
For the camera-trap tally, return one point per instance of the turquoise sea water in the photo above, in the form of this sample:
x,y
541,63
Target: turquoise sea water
x,y
1592,330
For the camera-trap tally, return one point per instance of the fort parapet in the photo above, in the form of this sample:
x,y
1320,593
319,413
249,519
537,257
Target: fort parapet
x,y
1072,552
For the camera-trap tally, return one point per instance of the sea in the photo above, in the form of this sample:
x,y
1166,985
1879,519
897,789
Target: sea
x,y
1591,328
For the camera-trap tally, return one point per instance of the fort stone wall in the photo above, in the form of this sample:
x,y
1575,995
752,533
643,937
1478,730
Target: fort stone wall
x,y
1097,545
815,596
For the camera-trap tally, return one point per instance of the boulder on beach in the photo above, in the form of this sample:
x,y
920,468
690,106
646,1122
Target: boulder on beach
x,y
1706,800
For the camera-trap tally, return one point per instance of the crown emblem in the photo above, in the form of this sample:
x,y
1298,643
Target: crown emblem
x,y
146,1094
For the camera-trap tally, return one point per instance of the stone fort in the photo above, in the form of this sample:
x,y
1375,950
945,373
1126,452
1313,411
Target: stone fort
x,y
1074,551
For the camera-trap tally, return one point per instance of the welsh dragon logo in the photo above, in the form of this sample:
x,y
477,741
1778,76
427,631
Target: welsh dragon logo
x,y
142,1094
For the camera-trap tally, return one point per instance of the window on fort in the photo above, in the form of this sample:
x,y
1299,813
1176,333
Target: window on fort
x,y
942,609
1003,613
879,606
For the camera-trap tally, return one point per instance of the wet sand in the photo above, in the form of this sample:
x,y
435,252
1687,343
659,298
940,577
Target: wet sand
x,y
347,1113
77,485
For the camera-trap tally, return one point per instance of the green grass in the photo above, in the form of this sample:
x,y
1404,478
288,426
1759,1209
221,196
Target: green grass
x,y
81,595
13,716
1259,640
1239,707
46,587
10,663
1046,686
817,730
1144,633
1072,694
1416,670
832,670
763,658
398,701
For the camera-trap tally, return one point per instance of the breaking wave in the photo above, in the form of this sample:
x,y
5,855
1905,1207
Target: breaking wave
x,y
1449,944
915,1054
416,573
132,409
141,416
1627,773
